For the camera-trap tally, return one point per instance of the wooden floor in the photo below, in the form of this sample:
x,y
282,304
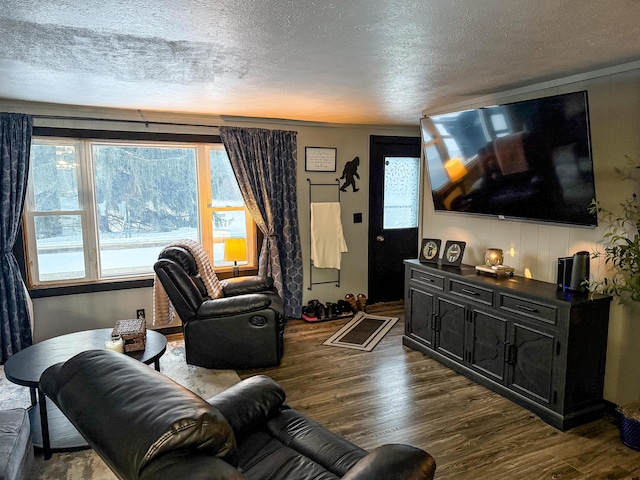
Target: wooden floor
x,y
396,395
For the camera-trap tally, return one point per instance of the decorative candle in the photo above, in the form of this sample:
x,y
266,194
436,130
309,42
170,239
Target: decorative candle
x,y
114,343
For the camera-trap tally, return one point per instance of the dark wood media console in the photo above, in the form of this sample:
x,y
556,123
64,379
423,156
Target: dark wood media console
x,y
542,348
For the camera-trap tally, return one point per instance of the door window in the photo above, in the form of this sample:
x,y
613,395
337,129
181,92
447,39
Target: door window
x,y
401,192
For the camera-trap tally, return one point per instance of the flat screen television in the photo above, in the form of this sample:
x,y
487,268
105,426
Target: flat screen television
x,y
528,160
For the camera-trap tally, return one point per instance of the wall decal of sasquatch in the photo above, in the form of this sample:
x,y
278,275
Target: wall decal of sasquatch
x,y
350,170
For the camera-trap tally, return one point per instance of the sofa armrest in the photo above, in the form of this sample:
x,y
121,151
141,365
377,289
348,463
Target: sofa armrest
x,y
249,402
394,462
248,284
106,395
227,306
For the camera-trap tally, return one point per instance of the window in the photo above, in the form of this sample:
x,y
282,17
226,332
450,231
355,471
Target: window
x,y
102,210
401,192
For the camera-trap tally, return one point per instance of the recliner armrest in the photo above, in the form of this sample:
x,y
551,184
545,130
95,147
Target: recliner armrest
x,y
249,402
130,414
227,306
394,462
248,284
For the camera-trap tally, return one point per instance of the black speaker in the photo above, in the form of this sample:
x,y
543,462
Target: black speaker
x,y
564,273
580,271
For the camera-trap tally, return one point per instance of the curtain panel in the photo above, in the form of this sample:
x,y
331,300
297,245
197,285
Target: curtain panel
x,y
264,163
15,145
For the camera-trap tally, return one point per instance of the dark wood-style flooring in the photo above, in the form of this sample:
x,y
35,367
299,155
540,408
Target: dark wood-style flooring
x,y
396,395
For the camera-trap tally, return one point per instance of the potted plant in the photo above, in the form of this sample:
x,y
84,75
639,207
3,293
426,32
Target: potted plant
x,y
621,253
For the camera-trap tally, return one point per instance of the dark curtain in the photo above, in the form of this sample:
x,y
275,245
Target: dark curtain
x,y
15,144
264,162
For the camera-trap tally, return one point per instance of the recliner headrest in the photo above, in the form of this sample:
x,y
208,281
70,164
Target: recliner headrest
x,y
181,256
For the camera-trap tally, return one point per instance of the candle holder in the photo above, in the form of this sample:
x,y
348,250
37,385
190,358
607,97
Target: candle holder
x,y
493,257
115,343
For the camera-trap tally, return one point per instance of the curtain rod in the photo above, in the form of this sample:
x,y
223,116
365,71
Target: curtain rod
x,y
144,122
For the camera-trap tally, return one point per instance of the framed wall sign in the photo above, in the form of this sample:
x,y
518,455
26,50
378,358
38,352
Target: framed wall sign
x,y
320,159
452,253
430,250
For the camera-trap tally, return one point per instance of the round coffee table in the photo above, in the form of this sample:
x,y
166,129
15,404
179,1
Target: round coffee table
x,y
50,430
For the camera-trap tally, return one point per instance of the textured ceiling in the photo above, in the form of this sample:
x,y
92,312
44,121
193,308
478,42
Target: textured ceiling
x,y
352,61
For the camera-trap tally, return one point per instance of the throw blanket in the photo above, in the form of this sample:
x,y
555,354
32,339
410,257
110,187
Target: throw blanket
x,y
163,311
510,154
327,238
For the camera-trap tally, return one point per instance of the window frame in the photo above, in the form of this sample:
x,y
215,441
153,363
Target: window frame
x,y
87,209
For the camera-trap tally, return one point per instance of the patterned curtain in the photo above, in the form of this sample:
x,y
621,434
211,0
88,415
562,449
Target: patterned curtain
x,y
15,144
264,162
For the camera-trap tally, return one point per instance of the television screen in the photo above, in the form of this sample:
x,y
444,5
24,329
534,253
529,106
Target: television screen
x,y
529,160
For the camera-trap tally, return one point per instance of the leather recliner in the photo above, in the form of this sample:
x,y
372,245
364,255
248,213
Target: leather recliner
x,y
241,330
146,426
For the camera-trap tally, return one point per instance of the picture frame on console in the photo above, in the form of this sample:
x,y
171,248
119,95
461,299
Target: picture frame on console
x,y
453,253
430,250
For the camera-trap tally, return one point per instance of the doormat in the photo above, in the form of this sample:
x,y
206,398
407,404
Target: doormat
x,y
363,332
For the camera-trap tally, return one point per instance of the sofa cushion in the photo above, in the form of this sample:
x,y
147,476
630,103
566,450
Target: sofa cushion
x,y
324,447
16,451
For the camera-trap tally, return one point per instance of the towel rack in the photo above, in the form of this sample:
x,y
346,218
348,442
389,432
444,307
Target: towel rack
x,y
311,266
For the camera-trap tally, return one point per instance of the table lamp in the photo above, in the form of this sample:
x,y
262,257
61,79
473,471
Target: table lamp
x,y
235,250
455,169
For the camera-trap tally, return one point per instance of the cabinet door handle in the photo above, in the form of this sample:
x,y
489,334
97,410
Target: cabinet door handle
x,y
469,292
426,279
434,321
509,353
526,309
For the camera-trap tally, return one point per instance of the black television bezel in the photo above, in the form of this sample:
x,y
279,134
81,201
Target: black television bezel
x,y
431,191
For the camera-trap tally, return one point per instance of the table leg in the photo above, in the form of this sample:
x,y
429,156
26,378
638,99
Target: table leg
x,y
44,425
156,364
32,392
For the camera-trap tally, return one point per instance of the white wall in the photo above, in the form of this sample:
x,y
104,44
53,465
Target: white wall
x,y
614,103
64,314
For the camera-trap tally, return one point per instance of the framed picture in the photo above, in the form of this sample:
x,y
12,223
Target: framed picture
x,y
430,250
320,159
452,254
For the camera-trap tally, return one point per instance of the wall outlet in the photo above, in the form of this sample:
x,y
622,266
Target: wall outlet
x,y
140,313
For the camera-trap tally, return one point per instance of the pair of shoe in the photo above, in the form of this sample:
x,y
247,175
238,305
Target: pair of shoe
x,y
358,304
315,311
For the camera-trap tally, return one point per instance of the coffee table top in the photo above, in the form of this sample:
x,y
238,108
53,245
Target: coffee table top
x,y
26,366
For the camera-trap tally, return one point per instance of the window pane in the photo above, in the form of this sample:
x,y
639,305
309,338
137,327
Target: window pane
x,y
227,224
145,199
53,170
401,185
499,122
59,247
438,175
224,186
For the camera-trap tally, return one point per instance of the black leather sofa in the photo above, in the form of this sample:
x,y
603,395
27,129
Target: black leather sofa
x,y
244,329
145,426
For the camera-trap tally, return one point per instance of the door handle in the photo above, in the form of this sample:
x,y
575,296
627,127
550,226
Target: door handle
x,y
380,238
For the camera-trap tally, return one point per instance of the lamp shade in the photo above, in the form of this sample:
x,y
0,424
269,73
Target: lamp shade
x,y
235,249
455,169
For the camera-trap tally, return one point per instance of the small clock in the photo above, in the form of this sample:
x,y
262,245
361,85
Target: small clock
x,y
430,250
453,251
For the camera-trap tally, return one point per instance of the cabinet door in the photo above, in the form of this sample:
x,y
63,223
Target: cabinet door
x,y
420,326
487,337
531,356
449,328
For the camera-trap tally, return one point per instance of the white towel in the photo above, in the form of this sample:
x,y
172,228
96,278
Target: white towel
x,y
327,239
